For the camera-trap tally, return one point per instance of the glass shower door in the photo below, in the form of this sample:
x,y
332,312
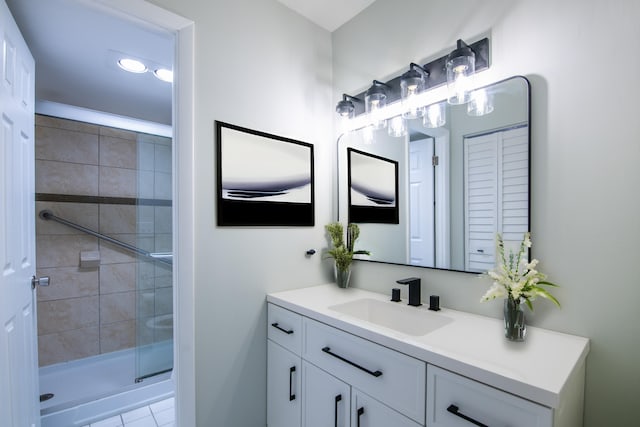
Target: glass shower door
x,y
154,318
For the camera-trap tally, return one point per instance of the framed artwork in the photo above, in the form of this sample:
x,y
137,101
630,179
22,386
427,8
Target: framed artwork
x,y
373,188
263,179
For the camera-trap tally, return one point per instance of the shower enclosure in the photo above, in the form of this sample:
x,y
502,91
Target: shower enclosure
x,y
104,236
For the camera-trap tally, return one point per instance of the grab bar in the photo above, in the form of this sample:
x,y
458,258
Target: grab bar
x,y
162,257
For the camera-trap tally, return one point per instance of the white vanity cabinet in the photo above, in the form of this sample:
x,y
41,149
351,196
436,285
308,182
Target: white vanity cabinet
x,y
359,370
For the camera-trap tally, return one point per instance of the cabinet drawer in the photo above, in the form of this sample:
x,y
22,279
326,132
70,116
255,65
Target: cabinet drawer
x,y
388,376
486,405
284,328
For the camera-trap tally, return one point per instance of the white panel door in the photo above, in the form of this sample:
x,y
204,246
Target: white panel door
x,y
421,203
19,403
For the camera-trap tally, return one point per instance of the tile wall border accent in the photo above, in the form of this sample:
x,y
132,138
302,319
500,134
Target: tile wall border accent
x,y
70,198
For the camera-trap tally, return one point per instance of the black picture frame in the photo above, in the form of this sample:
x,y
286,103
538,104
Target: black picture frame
x,y
372,188
263,179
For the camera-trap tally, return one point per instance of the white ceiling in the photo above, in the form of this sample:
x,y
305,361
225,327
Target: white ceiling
x,y
329,14
76,44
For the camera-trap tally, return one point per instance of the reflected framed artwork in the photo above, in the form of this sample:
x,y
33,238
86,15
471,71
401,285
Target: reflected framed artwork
x,y
373,188
263,179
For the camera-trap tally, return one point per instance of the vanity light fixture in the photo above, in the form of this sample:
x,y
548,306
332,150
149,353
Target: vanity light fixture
x,y
412,83
375,99
132,65
461,65
412,89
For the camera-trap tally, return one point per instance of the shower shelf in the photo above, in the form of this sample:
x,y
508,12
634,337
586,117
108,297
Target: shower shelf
x,y
161,257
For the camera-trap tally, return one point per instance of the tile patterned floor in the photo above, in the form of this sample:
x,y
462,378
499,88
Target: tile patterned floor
x,y
159,414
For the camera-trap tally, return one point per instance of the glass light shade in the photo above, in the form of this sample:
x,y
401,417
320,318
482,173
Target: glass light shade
x,y
461,65
411,85
481,103
397,127
345,109
435,116
367,135
343,124
375,100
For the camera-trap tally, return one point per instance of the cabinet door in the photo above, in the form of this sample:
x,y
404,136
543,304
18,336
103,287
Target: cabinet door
x,y
326,400
368,412
283,387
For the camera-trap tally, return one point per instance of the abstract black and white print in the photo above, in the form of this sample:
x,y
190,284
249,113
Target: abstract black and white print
x,y
263,179
373,188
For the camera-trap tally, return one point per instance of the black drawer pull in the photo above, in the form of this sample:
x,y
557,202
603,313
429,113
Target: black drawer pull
x,y
454,410
375,374
291,395
360,412
338,399
275,325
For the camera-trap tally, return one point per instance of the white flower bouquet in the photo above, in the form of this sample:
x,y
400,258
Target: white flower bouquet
x,y
516,278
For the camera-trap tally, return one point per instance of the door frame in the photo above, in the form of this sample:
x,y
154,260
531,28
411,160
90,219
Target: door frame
x,y
183,199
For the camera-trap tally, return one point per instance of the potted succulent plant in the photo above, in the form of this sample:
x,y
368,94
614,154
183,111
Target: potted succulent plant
x,y
342,251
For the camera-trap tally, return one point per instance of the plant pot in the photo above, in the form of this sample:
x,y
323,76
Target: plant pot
x,y
342,276
515,328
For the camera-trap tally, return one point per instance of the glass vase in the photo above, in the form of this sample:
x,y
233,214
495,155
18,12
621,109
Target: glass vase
x,y
515,328
342,276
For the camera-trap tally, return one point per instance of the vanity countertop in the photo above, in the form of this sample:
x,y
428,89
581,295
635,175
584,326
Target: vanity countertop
x,y
472,345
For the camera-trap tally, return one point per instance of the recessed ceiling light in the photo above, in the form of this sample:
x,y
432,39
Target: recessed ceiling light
x,y
132,65
164,75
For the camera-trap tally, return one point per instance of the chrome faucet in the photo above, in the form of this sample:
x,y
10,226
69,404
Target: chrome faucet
x,y
414,290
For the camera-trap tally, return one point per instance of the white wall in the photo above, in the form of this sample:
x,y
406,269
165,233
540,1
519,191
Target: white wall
x,y
585,156
260,66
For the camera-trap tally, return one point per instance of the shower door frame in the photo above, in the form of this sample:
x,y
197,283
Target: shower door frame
x,y
183,195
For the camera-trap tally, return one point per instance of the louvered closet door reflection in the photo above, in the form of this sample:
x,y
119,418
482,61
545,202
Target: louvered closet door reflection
x,y
496,193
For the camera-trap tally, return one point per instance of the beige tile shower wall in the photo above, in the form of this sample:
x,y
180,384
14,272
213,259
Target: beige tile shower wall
x,y
118,267
90,311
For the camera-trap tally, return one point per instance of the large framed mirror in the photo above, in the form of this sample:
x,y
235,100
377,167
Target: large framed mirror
x,y
463,176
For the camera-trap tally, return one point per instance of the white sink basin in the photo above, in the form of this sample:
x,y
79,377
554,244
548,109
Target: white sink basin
x,y
416,321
